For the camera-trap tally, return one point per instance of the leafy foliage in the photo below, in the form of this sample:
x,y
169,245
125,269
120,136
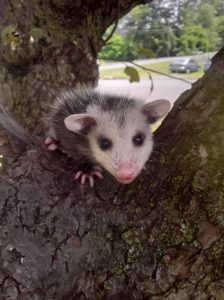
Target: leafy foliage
x,y
119,49
168,27
193,39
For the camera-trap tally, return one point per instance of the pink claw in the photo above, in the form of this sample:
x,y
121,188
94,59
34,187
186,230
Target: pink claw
x,y
91,181
48,141
52,147
83,178
98,174
89,176
51,144
78,174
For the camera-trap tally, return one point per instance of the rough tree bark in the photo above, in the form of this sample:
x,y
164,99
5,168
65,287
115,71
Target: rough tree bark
x,y
49,45
158,238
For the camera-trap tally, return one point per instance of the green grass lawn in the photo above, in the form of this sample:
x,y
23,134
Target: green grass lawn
x,y
161,67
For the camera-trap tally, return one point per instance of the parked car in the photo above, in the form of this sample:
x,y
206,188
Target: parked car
x,y
184,64
207,64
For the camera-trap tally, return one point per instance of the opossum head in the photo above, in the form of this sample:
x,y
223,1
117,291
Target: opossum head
x,y
119,135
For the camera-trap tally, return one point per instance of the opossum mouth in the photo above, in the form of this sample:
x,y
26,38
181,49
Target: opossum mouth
x,y
125,181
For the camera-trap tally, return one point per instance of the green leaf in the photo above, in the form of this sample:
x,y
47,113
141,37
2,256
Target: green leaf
x,y
37,33
9,34
146,52
132,73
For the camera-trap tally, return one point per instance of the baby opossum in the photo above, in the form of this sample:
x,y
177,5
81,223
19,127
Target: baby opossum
x,y
96,129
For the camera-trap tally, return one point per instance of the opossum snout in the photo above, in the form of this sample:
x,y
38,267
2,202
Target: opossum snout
x,y
126,173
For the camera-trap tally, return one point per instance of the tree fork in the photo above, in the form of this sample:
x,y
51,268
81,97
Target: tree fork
x,y
158,238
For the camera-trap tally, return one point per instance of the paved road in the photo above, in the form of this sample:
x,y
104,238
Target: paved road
x,y
163,88
114,65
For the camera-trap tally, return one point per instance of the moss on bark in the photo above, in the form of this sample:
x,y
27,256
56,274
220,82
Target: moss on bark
x,y
159,238
47,46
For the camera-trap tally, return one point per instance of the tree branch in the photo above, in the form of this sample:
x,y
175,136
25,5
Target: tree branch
x,y
115,25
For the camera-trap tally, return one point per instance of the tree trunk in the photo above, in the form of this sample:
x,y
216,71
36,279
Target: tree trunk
x,y
50,45
158,238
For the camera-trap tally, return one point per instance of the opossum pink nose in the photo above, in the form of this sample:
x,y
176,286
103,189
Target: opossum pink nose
x,y
126,173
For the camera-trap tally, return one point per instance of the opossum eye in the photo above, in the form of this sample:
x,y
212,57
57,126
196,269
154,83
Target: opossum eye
x,y
104,143
138,139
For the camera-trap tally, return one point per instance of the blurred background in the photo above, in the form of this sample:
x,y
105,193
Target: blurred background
x,y
174,37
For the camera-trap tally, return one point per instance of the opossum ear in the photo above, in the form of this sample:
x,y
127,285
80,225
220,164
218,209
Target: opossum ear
x,y
156,110
79,123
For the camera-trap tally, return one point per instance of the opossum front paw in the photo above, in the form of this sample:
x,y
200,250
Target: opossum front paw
x,y
89,176
51,144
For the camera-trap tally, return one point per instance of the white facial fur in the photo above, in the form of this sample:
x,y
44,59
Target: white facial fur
x,y
120,125
121,135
